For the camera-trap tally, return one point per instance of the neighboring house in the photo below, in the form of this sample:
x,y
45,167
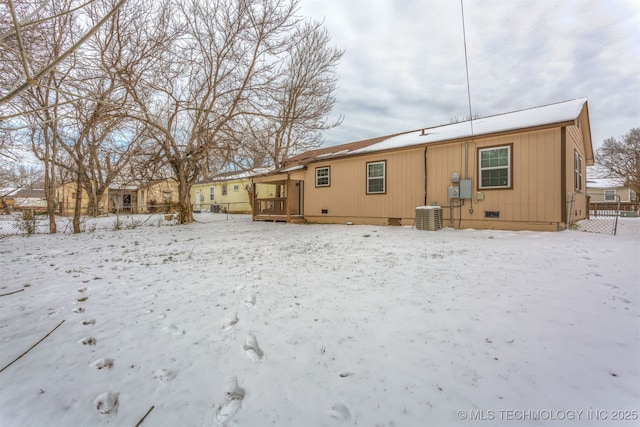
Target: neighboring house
x,y
510,171
158,195
66,200
132,198
227,192
29,199
609,191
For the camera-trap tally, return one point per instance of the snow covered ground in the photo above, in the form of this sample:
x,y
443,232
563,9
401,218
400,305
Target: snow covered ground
x,y
240,323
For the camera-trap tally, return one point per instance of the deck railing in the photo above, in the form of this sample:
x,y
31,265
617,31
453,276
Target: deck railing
x,y
270,206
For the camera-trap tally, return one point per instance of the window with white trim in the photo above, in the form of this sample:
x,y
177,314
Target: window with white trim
x,y
609,195
376,177
577,171
494,167
236,187
323,176
211,193
224,189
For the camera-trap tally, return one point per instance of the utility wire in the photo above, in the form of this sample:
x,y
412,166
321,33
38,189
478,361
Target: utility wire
x,y
466,64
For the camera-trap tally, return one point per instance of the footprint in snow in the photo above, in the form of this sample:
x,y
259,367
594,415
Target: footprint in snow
x,y
230,321
252,349
340,412
227,409
82,289
79,310
88,341
102,363
250,300
107,403
164,374
174,330
89,322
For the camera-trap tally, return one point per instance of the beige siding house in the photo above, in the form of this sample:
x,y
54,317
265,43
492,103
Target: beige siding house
x,y
610,194
511,171
153,196
227,192
609,189
66,200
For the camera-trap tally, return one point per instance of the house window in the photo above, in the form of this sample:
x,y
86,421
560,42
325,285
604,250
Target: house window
x,y
495,167
376,176
211,193
577,171
322,177
609,195
166,195
224,189
236,187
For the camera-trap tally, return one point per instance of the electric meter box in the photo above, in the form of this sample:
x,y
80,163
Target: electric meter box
x,y
466,189
454,192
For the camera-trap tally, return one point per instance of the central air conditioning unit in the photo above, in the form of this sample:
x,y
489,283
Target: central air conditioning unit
x,y
429,218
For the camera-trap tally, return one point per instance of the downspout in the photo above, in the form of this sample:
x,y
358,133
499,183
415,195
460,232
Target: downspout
x,y
466,175
425,176
563,177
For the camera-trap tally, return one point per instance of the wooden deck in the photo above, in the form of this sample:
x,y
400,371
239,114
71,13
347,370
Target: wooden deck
x,y
274,209
297,219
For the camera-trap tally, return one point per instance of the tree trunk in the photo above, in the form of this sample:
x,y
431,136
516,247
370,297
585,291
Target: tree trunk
x,y
50,186
92,202
185,215
78,204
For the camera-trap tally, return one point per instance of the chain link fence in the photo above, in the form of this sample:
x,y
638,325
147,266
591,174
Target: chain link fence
x,y
27,222
602,212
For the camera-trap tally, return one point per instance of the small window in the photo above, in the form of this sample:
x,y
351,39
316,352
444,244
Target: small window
x,y
224,189
609,195
167,195
323,177
577,171
211,193
495,167
236,187
376,176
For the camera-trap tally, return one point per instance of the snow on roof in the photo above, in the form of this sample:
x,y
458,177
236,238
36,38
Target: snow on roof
x,y
604,183
293,168
8,191
539,116
234,176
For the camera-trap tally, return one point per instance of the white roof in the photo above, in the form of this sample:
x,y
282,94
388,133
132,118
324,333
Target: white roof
x,y
539,116
604,183
293,168
237,176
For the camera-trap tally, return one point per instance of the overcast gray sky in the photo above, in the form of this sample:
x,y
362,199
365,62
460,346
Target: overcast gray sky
x,y
404,65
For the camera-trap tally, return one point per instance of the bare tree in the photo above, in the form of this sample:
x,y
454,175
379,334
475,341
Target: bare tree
x,y
76,107
621,158
34,112
22,15
300,102
192,68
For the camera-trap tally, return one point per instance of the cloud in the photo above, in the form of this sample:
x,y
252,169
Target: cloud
x,y
404,65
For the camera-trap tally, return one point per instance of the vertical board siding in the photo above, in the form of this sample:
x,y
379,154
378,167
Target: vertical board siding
x,y
534,199
575,143
346,196
535,174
